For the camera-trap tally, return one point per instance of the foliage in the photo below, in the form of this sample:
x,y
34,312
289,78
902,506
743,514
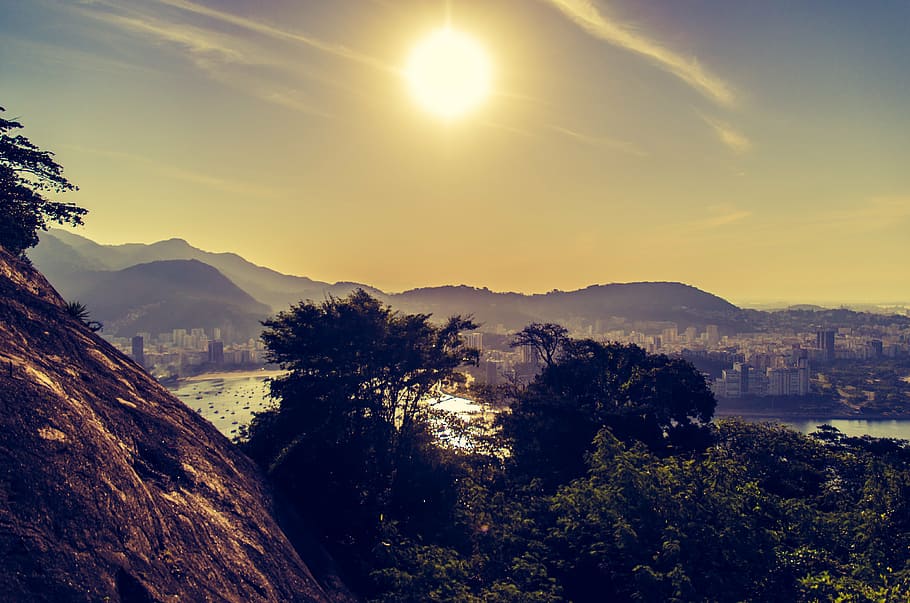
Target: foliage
x,y
660,401
27,174
351,440
80,312
608,481
545,339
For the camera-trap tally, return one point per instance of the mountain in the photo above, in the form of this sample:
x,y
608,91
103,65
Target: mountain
x,y
163,295
110,488
266,285
612,306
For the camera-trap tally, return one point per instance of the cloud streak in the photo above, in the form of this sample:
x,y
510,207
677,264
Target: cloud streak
x,y
598,141
732,138
223,56
196,41
587,16
253,190
277,33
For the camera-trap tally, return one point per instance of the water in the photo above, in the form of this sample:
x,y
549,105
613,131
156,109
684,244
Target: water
x,y
227,400
877,428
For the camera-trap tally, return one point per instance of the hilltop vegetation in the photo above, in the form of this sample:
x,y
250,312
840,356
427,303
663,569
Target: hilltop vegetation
x,y
605,479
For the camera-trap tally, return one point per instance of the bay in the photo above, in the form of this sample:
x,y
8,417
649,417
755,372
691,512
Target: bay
x,y
877,428
228,400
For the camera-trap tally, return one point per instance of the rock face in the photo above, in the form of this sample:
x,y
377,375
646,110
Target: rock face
x,y
110,488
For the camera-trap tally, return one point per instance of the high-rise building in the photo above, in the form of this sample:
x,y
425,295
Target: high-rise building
x,y
713,334
177,337
876,348
743,370
803,377
824,340
139,350
528,355
216,352
474,340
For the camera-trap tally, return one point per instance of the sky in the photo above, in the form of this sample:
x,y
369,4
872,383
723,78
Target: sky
x,y
756,150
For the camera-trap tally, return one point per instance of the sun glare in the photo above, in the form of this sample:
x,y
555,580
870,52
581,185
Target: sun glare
x,y
449,73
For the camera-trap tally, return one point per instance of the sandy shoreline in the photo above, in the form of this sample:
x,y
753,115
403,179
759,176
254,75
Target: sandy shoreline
x,y
232,375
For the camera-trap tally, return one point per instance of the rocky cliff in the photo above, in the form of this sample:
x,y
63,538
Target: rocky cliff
x,y
110,488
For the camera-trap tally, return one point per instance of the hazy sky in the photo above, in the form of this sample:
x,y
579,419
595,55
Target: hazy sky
x,y
757,150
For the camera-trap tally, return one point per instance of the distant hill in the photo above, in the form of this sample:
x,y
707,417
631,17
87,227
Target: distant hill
x,y
613,306
73,263
160,296
112,489
273,288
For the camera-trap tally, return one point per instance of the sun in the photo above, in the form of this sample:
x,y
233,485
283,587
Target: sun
x,y
449,73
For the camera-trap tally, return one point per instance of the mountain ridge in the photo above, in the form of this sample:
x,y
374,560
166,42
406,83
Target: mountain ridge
x,y
609,305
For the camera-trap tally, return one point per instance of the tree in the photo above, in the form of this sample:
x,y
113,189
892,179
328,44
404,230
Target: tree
x,y
27,174
660,401
351,440
544,338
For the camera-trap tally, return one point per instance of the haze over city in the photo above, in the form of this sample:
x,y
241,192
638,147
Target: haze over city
x,y
754,150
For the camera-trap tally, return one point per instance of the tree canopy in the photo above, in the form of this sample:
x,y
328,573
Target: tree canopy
x,y
351,440
27,175
609,481
654,399
546,339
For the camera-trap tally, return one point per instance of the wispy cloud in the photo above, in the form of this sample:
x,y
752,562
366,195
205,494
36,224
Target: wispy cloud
x,y
598,141
290,100
729,136
510,129
265,29
587,16
253,190
195,40
724,219
222,55
870,215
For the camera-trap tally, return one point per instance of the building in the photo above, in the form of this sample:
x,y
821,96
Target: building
x,y
474,340
712,333
789,381
876,348
735,382
216,352
824,341
138,344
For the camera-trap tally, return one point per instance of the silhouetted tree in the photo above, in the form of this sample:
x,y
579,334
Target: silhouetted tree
x,y
351,440
27,174
544,338
659,401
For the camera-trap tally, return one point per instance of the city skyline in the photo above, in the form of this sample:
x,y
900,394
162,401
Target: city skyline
x,y
752,151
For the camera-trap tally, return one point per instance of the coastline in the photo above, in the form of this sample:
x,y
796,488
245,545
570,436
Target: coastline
x,y
242,374
805,416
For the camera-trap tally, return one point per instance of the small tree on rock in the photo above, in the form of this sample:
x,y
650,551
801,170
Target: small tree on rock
x,y
27,174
